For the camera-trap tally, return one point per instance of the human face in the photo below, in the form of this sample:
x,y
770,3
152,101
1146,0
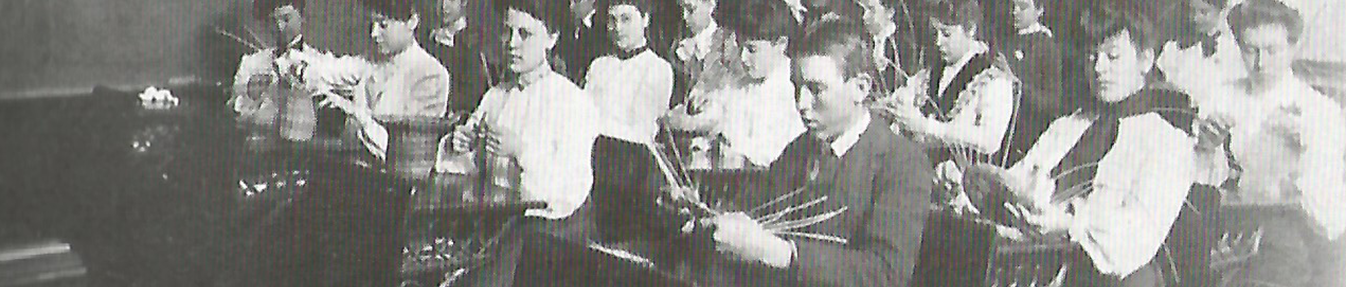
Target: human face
x,y
392,36
953,41
289,22
452,9
696,14
877,17
1026,13
761,57
1120,68
527,40
828,102
1204,15
627,25
1267,52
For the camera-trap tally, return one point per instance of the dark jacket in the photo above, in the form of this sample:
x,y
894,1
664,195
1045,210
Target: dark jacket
x,y
884,180
1035,59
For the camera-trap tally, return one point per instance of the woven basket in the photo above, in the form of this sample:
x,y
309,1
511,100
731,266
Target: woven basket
x,y
412,144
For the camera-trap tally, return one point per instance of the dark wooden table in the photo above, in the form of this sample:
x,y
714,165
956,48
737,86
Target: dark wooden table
x,y
185,196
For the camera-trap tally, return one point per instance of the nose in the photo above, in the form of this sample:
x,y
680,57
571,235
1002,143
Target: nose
x,y
375,32
804,103
1100,64
514,40
1261,58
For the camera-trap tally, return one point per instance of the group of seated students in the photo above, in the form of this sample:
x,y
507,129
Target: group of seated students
x,y
863,107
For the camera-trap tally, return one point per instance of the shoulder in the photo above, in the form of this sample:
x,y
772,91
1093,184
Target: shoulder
x,y
426,65
259,58
602,61
571,94
995,76
897,147
1154,131
656,63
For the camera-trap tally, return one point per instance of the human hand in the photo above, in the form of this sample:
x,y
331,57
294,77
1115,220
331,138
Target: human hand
x,y
1049,219
502,140
257,84
746,239
463,136
1287,122
339,102
1212,133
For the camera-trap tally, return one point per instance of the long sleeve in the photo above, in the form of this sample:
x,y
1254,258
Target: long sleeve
x,y
983,128
1138,191
557,169
249,66
412,84
884,249
631,94
762,122
1321,167
659,82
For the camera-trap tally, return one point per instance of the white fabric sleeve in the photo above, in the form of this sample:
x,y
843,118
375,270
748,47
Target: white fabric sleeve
x,y
779,125
1138,191
987,130
1321,167
249,66
560,173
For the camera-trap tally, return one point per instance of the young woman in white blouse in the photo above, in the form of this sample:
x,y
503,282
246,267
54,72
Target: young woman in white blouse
x,y
536,116
1112,177
964,106
1285,139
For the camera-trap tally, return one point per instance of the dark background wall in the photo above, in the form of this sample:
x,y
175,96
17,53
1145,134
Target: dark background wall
x,y
55,47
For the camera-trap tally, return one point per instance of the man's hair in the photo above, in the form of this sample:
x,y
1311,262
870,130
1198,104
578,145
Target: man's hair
x,y
262,9
396,9
1110,19
844,41
757,19
1216,3
962,13
644,6
1253,13
555,14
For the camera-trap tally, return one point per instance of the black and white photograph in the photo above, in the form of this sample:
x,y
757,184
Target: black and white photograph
x,y
697,143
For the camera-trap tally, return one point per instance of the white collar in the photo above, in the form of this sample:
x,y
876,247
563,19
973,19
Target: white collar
x,y
589,18
958,66
952,70
704,38
851,136
296,40
1036,27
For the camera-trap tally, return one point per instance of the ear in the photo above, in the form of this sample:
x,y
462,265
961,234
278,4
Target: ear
x,y
552,37
862,82
1146,59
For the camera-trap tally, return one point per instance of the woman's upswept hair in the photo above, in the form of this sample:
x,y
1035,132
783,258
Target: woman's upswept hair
x,y
757,19
555,14
1254,13
1107,19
